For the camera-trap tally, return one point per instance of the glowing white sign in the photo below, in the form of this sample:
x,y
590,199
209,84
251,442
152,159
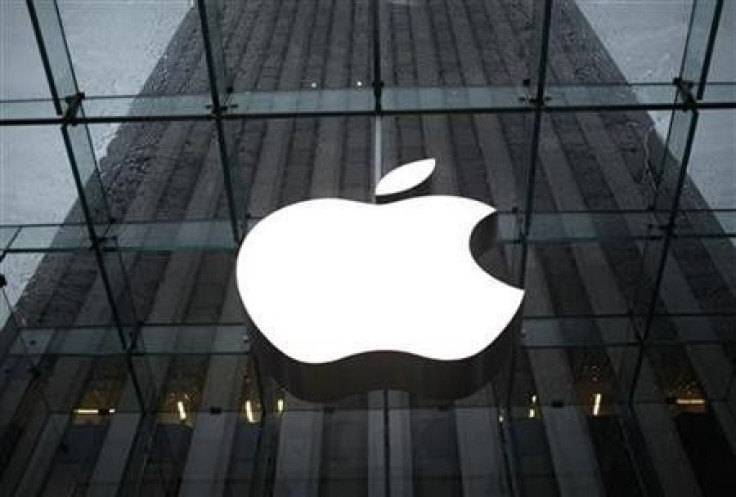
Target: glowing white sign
x,y
327,279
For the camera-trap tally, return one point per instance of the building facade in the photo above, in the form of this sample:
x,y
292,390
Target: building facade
x,y
126,353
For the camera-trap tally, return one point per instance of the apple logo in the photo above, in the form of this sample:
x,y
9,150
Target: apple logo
x,y
346,296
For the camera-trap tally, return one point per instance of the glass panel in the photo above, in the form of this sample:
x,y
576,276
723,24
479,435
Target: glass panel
x,y
29,173
21,69
8,323
719,95
265,103
596,42
24,111
577,331
699,277
146,106
166,171
473,158
707,223
283,161
302,45
216,235
598,279
188,235
93,207
63,80
466,98
712,175
65,237
635,96
420,44
212,15
234,188
668,179
184,287
7,235
722,68
705,18
579,403
150,47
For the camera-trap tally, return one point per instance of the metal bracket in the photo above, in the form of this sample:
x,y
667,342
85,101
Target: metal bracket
x,y
73,104
527,97
685,90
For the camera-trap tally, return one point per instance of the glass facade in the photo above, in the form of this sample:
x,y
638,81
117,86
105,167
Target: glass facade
x,y
142,140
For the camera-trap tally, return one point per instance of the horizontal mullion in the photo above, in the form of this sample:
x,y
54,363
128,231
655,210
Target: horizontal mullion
x,y
215,235
360,102
538,332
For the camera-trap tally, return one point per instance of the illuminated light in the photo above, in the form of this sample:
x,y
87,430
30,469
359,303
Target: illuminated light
x,y
313,84
359,83
302,302
280,405
690,402
532,413
86,411
500,419
597,403
182,411
249,414
101,412
534,399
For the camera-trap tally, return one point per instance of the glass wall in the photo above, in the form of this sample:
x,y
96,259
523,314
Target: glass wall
x,y
140,142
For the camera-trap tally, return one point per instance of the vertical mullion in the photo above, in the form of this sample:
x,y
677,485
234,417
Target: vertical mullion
x,y
209,14
377,95
92,200
700,51
52,45
93,236
673,165
713,32
8,322
538,83
538,102
523,225
44,56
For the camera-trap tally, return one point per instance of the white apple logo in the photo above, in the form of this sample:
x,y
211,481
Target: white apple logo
x,y
324,280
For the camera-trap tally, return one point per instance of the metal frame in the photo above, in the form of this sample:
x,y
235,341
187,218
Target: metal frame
x,y
668,195
533,100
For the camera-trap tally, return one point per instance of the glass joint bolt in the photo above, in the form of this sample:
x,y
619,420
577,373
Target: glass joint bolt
x,y
222,109
685,91
73,104
108,243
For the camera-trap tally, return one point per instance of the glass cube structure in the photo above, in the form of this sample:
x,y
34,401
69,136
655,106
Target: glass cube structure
x,y
141,141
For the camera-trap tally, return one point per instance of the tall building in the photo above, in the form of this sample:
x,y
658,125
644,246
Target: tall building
x,y
143,140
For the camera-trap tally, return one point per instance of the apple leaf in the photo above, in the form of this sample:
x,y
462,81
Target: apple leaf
x,y
405,181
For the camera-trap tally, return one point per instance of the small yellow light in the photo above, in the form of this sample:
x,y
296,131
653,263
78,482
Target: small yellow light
x,y
280,405
86,411
532,413
182,411
597,403
249,412
690,402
